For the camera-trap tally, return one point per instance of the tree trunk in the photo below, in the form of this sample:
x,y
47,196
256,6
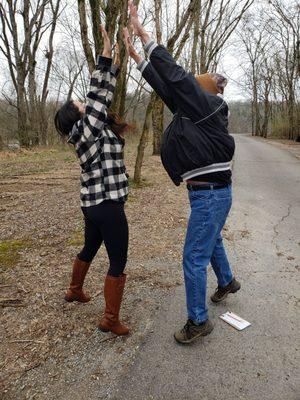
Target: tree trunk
x,y
112,12
143,141
32,106
252,118
1,143
23,129
118,105
195,37
203,63
265,125
96,21
291,116
157,124
84,36
257,129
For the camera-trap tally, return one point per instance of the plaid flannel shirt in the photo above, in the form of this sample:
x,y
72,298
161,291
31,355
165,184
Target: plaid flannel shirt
x,y
100,151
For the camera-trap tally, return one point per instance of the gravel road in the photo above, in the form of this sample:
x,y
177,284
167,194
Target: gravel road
x,y
259,363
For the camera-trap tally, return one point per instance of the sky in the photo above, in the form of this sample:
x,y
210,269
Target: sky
x,y
232,69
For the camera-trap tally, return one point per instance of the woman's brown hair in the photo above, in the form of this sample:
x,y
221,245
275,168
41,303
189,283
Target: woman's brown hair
x,y
116,124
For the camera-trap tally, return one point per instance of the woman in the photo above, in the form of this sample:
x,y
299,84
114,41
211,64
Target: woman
x,y
97,137
197,149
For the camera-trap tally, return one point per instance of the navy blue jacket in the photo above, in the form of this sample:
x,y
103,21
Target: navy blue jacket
x,y
196,144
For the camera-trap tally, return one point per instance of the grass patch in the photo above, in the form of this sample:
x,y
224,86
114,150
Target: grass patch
x,y
22,162
130,198
10,252
77,237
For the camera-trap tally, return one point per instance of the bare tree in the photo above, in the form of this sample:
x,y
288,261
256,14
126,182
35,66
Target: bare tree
x,y
218,20
253,38
270,39
286,31
24,26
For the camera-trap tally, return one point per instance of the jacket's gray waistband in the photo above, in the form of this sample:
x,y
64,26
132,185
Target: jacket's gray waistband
x,y
217,167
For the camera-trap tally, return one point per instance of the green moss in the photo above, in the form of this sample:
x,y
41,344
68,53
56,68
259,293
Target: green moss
x,y
131,198
77,237
10,252
69,158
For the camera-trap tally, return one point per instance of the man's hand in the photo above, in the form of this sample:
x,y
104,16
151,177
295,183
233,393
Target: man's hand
x,y
138,28
134,19
106,43
130,48
117,55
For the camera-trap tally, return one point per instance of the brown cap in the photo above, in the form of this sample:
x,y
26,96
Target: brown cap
x,y
207,83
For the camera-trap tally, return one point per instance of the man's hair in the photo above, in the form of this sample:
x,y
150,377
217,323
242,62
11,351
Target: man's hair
x,y
212,82
221,81
66,117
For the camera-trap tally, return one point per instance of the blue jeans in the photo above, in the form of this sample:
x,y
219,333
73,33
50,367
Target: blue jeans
x,y
203,244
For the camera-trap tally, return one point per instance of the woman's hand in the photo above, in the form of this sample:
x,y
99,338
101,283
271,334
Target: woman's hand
x,y
130,48
138,28
117,61
106,43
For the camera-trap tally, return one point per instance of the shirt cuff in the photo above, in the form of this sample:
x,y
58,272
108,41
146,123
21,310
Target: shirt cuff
x,y
115,69
142,65
104,62
150,46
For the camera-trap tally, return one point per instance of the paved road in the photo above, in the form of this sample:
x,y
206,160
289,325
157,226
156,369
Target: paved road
x,y
259,363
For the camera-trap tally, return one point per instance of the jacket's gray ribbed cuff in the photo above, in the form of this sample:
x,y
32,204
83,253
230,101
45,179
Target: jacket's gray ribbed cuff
x,y
150,46
142,65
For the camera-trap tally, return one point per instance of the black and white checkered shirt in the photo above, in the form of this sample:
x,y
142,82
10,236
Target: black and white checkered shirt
x,y
100,151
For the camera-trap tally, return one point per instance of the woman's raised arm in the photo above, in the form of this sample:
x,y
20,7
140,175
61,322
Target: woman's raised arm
x,y
100,95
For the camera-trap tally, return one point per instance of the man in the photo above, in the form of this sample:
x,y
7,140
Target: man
x,y
197,149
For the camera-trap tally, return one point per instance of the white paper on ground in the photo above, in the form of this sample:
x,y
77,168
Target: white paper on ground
x,y
235,321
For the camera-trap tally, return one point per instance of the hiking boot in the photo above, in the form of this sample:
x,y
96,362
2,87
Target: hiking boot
x,y
221,293
191,331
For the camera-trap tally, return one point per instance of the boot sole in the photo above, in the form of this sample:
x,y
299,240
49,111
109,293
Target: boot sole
x,y
103,330
108,330
79,301
195,337
226,294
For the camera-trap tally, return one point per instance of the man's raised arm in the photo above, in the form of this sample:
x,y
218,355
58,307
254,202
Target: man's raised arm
x,y
188,96
149,73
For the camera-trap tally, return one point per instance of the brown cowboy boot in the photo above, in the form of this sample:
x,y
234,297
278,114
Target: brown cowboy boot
x,y
113,292
75,292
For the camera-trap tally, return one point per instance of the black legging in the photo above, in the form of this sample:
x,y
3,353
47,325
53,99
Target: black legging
x,y
106,222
